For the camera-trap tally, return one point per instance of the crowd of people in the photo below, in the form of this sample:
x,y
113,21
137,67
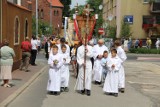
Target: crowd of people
x,y
139,43
90,63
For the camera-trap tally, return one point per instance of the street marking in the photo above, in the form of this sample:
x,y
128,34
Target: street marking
x,y
148,58
156,91
131,82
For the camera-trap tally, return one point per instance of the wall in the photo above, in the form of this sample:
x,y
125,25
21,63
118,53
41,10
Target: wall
x,y
45,5
127,7
0,21
136,8
9,26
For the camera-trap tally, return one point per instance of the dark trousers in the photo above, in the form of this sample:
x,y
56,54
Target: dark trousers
x,y
47,55
92,60
33,56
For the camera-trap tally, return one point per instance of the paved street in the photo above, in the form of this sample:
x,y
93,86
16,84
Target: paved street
x,y
142,90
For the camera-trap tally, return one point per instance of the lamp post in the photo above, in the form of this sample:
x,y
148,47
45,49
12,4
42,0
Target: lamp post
x,y
50,13
65,27
37,18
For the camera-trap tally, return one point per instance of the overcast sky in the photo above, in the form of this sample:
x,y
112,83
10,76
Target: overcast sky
x,y
80,2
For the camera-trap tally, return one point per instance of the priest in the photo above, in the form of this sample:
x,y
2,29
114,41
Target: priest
x,y
83,83
98,55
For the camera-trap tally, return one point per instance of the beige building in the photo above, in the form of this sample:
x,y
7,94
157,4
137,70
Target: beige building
x,y
142,15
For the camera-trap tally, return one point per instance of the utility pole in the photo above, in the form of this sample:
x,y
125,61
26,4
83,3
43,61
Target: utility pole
x,y
37,18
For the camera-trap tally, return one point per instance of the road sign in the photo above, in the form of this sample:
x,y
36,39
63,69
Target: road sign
x,y
100,31
128,19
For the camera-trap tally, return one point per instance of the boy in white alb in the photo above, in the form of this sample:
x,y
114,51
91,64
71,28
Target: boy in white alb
x,y
104,61
55,61
65,69
112,78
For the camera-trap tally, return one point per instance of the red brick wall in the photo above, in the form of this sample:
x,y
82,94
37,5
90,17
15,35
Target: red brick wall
x,y
45,5
9,12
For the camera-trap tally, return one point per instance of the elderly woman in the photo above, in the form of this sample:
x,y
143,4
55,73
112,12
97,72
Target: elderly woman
x,y
6,63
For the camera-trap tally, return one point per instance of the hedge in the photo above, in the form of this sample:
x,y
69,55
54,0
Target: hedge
x,y
144,51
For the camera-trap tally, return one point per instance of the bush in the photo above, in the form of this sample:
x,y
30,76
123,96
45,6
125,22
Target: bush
x,y
144,51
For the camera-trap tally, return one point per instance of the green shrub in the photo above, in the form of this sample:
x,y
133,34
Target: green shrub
x,y
144,51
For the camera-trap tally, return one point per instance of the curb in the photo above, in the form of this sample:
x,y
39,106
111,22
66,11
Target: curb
x,y
11,98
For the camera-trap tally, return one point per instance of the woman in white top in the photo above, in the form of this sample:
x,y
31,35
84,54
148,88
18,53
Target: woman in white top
x,y
126,45
157,44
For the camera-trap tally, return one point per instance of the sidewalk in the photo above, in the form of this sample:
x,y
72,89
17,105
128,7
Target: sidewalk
x,y
21,80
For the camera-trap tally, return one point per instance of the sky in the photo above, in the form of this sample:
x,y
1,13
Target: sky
x,y
80,2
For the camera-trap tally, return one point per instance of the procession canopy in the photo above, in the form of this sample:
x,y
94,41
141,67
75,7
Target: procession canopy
x,y
81,25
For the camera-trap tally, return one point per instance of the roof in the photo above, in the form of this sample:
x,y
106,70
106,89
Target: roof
x,y
19,6
56,3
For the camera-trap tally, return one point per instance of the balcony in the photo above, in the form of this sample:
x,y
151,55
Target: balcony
x,y
155,7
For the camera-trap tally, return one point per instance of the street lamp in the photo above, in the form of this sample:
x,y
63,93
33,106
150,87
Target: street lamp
x,y
37,18
65,27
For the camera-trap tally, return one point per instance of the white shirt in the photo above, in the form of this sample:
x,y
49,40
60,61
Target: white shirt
x,y
38,42
157,43
34,44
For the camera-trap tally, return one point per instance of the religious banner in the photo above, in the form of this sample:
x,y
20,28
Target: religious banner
x,y
80,26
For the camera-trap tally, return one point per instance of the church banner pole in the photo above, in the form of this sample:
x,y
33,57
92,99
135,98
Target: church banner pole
x,y
87,11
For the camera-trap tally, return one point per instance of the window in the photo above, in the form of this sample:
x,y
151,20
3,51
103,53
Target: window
x,y
146,1
54,13
57,13
148,20
26,29
38,14
16,30
15,1
30,6
42,14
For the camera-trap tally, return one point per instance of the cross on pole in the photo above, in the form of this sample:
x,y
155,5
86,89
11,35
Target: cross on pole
x,y
87,11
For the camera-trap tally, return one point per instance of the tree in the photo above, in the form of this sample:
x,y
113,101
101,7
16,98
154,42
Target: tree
x,y
111,31
94,4
125,30
43,27
79,8
66,4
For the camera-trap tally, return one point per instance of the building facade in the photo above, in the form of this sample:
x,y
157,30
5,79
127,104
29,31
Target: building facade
x,y
16,24
49,11
142,16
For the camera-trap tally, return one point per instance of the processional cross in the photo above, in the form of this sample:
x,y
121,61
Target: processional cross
x,y
86,12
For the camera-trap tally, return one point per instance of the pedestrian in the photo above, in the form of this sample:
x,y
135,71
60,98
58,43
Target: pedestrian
x,y
65,69
63,42
73,58
129,43
84,83
91,43
122,55
126,45
111,81
38,44
47,48
26,53
149,43
34,50
140,43
103,63
98,55
6,63
55,61
157,44
136,43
